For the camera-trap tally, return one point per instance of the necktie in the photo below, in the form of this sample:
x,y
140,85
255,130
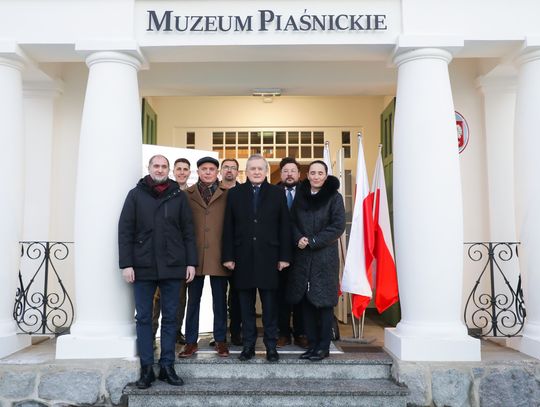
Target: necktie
x,y
289,197
256,191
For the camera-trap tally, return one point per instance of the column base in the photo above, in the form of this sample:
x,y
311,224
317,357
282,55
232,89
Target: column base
x,y
13,343
529,343
435,348
84,347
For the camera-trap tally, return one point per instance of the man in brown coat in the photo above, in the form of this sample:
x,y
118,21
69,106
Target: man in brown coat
x,y
207,199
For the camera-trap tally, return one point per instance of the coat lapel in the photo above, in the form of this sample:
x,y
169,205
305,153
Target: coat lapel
x,y
195,195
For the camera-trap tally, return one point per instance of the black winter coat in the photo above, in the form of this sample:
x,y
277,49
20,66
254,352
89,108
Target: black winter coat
x,y
320,218
155,234
256,242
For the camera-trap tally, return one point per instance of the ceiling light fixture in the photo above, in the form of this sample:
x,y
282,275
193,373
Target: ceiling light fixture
x,y
266,92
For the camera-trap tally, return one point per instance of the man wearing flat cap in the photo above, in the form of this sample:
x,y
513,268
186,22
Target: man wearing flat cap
x,y
207,199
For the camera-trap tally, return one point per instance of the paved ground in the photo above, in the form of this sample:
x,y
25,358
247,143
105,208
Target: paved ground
x,y
43,349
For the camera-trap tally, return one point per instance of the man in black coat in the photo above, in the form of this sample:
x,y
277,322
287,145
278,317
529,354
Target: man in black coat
x,y
290,175
256,247
156,244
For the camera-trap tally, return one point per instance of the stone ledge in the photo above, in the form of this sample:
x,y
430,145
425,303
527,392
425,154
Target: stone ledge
x,y
455,384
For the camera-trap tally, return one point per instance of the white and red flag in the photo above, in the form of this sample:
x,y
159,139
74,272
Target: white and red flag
x,y
386,283
356,278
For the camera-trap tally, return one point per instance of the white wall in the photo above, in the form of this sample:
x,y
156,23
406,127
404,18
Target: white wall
x,y
206,114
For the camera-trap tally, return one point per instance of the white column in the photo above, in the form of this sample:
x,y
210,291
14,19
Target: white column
x,y
109,165
11,204
527,189
499,105
428,215
39,101
499,92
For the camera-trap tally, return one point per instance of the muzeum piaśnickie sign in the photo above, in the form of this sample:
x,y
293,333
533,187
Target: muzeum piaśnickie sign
x,y
264,20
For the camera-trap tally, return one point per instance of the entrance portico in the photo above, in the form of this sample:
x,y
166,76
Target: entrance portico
x,y
429,195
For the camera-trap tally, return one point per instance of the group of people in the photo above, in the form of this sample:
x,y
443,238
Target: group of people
x,y
279,240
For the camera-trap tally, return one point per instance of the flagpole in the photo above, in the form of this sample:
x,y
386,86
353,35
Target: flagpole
x,y
358,333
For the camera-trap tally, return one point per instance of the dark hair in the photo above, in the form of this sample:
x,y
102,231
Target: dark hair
x,y
319,162
288,160
182,160
231,159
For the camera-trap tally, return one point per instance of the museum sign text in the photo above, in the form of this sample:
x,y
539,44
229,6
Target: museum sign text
x,y
264,20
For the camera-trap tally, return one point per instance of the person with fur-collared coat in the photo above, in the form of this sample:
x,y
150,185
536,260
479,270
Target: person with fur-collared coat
x,y
318,217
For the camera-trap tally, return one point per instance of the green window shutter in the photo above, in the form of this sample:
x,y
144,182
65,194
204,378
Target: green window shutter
x,y
149,123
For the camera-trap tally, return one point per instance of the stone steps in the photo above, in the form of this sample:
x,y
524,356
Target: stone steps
x,y
271,392
350,379
338,366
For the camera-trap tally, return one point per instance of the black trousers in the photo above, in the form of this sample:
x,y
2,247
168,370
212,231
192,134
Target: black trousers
x,y
318,325
249,318
285,310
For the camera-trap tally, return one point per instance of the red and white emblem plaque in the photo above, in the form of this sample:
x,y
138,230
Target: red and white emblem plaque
x,y
462,129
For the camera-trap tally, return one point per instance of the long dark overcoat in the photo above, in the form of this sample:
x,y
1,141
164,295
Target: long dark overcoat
x,y
155,234
320,218
256,242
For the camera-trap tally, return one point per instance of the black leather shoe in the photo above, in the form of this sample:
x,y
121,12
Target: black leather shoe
x,y
147,377
319,355
272,355
168,374
307,354
246,354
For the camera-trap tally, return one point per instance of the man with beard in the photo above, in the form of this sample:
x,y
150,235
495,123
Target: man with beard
x,y
229,174
156,245
256,247
290,175
181,171
207,199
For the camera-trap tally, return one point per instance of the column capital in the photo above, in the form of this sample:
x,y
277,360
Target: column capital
x,y
422,53
529,54
91,48
12,56
43,89
113,56
504,82
10,61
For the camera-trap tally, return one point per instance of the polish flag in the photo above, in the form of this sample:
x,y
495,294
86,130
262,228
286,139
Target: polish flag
x,y
386,284
356,274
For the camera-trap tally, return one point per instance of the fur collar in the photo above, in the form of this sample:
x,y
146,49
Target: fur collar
x,y
306,200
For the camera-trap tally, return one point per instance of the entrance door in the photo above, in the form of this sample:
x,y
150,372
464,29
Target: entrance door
x,y
393,314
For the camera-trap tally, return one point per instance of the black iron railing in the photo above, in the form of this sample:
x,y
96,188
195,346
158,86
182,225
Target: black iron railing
x,y
500,310
43,305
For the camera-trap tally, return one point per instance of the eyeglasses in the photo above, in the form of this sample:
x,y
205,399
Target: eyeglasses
x,y
227,168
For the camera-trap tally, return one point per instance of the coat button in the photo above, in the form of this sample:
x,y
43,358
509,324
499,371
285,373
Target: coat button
x,y
254,238
255,220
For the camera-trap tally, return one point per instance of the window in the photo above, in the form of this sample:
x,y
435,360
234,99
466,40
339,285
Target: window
x,y
271,144
190,139
346,143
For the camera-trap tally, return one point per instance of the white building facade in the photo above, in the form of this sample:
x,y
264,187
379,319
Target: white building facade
x,y
73,75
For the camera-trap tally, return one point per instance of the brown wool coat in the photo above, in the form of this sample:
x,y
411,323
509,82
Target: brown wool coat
x,y
208,222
